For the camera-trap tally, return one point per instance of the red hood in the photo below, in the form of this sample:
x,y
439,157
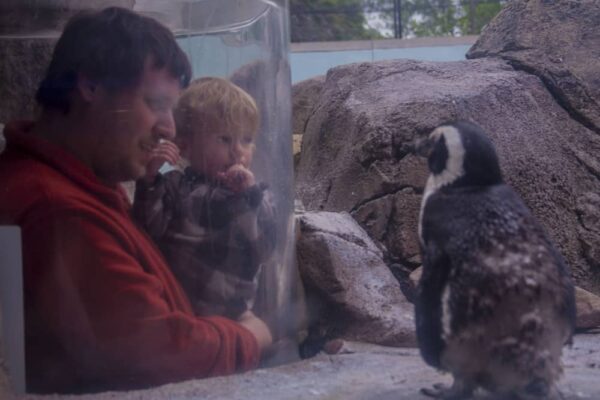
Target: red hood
x,y
20,140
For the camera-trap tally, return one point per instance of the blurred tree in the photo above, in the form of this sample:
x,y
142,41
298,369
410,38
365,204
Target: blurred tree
x,y
323,20
431,17
392,15
476,14
317,20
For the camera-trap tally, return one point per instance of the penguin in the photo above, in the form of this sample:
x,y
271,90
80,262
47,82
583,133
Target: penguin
x,y
495,303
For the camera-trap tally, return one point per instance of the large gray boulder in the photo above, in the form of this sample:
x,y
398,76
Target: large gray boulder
x,y
588,212
351,292
304,96
559,41
356,154
588,309
23,62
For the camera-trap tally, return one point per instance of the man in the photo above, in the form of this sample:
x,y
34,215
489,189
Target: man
x,y
102,309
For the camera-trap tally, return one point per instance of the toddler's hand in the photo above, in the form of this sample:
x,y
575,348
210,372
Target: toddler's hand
x,y
165,152
237,178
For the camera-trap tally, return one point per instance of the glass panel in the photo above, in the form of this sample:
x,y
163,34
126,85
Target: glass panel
x,y
246,42
239,214
253,54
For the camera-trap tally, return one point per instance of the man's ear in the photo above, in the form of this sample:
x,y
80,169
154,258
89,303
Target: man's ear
x,y
88,89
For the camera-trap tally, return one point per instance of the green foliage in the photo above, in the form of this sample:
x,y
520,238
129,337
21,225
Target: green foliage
x,y
447,17
320,20
430,17
323,20
477,14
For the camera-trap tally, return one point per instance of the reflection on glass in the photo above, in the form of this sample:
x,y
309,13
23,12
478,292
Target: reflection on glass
x,y
104,310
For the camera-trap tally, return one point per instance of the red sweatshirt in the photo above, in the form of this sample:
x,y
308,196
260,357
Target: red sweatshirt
x,y
102,309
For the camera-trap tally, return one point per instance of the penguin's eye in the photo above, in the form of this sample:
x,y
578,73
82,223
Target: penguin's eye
x,y
438,156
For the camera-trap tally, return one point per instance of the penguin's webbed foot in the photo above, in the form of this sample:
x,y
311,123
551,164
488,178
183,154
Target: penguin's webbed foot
x,y
459,390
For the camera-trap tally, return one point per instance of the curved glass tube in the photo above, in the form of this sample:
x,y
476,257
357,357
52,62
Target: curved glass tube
x,y
244,42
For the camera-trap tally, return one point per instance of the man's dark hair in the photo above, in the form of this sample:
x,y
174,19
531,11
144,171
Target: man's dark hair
x,y
110,47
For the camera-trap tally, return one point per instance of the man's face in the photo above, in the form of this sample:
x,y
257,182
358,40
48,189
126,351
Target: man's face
x,y
131,123
218,148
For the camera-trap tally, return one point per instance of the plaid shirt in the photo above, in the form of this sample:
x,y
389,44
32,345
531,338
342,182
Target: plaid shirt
x,y
215,240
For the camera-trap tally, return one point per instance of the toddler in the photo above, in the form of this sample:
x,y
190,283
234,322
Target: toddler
x,y
213,222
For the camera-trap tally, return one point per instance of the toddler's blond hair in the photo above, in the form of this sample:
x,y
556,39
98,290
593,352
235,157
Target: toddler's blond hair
x,y
213,101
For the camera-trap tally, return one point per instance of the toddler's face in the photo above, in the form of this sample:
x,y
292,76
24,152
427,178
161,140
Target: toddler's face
x,y
216,150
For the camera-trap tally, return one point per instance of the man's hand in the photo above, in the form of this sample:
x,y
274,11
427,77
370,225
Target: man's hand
x,y
166,151
258,328
237,178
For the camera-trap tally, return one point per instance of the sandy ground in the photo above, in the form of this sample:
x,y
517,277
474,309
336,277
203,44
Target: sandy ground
x,y
363,372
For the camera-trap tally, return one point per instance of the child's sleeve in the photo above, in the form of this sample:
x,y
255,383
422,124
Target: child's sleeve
x,y
155,204
245,222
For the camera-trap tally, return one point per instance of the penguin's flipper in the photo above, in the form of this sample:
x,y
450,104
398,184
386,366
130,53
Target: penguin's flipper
x,y
428,308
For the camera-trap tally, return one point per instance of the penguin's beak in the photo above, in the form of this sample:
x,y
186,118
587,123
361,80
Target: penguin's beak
x,y
423,146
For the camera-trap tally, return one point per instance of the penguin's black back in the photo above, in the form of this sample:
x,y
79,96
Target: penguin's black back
x,y
480,238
